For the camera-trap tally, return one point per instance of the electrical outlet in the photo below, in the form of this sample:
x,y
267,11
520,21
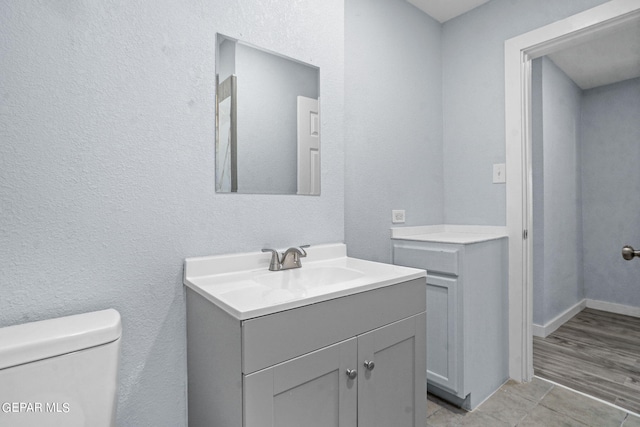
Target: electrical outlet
x,y
397,217
499,173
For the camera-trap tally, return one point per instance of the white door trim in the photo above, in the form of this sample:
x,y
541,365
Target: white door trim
x,y
519,51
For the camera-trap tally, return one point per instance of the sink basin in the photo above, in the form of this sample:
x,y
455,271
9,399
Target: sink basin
x,y
307,277
242,285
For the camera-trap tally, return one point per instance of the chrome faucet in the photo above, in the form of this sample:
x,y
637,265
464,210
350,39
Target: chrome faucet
x,y
290,258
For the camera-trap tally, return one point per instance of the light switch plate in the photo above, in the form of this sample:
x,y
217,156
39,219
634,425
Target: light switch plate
x,y
499,173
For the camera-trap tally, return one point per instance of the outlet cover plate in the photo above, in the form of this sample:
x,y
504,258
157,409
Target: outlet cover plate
x,y
397,216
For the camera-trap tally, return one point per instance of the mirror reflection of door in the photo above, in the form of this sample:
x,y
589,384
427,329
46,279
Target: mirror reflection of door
x,y
257,121
226,141
308,146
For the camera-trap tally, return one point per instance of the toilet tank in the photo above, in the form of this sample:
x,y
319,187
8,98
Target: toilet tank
x,y
60,372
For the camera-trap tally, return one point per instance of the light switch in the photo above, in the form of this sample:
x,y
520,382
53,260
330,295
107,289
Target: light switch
x,y
499,173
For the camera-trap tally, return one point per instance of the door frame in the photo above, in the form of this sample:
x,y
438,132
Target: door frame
x,y
519,52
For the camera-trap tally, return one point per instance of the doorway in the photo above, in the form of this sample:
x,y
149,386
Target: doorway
x,y
585,104
519,53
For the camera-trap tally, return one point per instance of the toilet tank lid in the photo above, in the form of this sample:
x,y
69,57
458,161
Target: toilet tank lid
x,y
33,341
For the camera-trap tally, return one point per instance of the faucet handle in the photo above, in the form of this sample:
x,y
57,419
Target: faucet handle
x,y
303,252
274,265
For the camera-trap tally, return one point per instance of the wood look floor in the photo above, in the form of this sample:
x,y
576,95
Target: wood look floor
x,y
597,353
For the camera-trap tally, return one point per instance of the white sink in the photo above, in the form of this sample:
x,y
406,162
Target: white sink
x,y
243,286
305,278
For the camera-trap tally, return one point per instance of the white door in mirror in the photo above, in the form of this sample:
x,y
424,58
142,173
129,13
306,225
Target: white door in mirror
x,y
308,146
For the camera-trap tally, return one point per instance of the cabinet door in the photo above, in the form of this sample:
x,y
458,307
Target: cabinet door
x,y
442,332
393,393
310,390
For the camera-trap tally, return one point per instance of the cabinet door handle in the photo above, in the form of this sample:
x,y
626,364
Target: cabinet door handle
x,y
369,364
352,374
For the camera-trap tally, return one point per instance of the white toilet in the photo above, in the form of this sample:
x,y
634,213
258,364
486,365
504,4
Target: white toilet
x,y
60,372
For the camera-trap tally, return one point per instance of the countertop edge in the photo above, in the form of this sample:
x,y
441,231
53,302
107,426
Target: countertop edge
x,y
264,311
445,233
450,240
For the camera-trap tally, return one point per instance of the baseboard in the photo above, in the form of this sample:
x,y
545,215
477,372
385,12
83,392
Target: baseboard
x,y
538,330
555,323
611,307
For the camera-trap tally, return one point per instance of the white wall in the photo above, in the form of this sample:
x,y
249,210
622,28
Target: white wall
x,y
611,191
393,125
557,228
107,168
473,106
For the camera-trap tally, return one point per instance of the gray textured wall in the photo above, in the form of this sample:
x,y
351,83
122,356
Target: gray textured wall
x,y
610,188
393,125
107,168
557,231
473,101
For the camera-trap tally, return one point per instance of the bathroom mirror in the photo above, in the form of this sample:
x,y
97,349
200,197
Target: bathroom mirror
x,y
267,122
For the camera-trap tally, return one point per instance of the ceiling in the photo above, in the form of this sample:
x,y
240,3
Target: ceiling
x,y
443,10
607,59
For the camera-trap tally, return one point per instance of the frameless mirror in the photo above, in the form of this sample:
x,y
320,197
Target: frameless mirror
x,y
267,122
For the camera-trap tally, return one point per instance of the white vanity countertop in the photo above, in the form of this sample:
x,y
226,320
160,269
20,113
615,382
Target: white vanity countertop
x,y
460,234
243,286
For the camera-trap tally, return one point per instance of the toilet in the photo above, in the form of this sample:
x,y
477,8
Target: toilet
x,y
60,372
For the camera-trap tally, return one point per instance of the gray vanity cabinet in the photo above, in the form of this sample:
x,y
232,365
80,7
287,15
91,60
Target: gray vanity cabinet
x,y
311,390
394,392
467,354
315,389
306,366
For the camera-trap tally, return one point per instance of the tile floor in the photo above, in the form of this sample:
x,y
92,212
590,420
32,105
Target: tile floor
x,y
538,403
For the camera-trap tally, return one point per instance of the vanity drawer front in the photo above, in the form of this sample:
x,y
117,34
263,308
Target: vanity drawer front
x,y
282,336
442,259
